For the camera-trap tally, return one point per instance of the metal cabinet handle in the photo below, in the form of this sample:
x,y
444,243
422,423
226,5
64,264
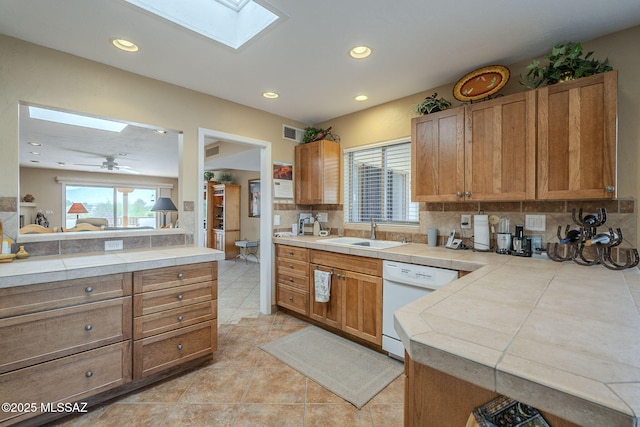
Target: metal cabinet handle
x,y
291,279
610,189
290,252
88,289
467,193
180,318
89,374
459,194
290,265
290,298
180,347
88,328
180,297
180,276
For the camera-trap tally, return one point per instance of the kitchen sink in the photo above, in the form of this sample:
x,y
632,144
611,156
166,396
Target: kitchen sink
x,y
357,241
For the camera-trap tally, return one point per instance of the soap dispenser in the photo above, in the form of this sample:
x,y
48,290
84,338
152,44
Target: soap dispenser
x,y
316,227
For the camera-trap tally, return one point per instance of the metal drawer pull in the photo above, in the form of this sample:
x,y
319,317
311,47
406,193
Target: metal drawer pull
x,y
291,279
180,347
180,318
88,289
290,252
180,276
180,297
89,374
610,189
88,328
290,265
290,298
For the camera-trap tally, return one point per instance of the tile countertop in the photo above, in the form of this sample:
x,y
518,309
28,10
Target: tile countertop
x,y
558,336
53,268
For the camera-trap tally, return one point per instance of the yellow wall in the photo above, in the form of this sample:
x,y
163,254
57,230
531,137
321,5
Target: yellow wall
x,y
44,76
393,120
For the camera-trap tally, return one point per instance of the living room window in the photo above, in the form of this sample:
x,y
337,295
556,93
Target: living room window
x,y
378,184
121,206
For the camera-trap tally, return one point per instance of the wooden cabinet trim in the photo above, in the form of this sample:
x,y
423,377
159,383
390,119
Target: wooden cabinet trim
x,y
169,277
357,264
166,299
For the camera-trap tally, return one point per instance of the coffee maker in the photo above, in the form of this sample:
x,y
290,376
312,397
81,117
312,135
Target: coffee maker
x,y
503,237
521,244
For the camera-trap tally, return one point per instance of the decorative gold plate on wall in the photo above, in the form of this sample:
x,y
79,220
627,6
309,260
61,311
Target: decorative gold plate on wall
x,y
481,83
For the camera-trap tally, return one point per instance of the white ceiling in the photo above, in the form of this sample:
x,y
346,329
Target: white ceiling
x,y
417,45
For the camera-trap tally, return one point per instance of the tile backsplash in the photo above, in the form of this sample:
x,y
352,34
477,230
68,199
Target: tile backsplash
x,y
446,217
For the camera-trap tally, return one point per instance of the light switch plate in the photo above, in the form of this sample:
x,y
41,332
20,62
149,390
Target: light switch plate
x,y
465,221
535,222
276,220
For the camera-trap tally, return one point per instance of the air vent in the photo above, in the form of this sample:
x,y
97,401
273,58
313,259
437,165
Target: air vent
x,y
212,151
292,134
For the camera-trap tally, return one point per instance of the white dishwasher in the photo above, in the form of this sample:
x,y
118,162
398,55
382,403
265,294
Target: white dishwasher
x,y
401,284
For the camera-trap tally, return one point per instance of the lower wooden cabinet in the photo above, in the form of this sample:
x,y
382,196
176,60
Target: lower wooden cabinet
x,y
68,341
355,305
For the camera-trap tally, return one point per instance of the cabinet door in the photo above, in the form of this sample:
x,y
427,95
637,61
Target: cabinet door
x,y
577,138
329,313
317,173
219,240
500,148
437,156
362,306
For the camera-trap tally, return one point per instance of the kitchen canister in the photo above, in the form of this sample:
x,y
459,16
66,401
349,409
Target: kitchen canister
x,y
432,236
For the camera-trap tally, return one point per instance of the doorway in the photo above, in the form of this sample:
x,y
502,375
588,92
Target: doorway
x,y
266,208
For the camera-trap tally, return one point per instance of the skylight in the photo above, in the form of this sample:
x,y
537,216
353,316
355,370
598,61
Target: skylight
x,y
75,119
232,22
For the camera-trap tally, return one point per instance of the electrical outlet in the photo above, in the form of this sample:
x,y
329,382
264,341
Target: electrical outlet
x,y
113,245
323,216
535,222
276,220
465,221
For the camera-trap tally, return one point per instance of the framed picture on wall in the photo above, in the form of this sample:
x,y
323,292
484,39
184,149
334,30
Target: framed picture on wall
x,y
254,198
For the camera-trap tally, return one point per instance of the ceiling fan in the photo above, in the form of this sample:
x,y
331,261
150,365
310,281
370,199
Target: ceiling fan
x,y
110,164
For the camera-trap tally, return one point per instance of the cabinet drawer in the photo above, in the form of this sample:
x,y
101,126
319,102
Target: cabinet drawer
x,y
292,252
299,282
165,321
293,299
46,296
167,299
294,267
39,337
168,277
358,264
163,351
68,379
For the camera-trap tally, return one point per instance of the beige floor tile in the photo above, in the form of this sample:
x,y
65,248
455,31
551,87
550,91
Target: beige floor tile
x,y
387,415
318,394
205,415
276,384
392,394
212,385
336,415
166,391
134,415
268,415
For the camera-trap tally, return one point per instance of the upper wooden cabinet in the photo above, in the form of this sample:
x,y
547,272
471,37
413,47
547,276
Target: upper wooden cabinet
x,y
500,144
577,137
317,173
558,142
437,156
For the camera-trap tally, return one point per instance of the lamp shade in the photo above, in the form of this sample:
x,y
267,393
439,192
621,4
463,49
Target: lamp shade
x,y
77,208
164,204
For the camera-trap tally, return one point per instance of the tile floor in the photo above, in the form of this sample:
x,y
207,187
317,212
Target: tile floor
x,y
243,385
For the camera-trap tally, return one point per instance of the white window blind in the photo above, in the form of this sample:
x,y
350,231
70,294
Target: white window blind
x,y
378,184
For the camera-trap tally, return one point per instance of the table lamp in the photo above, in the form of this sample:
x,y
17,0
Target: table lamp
x,y
164,205
77,208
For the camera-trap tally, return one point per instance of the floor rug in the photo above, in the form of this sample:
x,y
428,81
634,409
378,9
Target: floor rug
x,y
349,370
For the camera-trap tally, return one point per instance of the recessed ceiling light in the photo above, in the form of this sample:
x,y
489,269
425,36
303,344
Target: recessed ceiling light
x,y
35,144
34,161
161,132
270,95
361,98
61,163
35,153
126,45
360,52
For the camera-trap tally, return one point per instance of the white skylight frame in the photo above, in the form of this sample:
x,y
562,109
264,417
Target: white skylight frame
x,y
231,22
75,119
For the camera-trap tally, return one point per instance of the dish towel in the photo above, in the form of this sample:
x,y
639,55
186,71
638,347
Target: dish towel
x,y
322,282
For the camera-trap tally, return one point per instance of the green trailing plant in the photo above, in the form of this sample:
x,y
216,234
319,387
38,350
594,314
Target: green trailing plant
x,y
208,175
431,104
316,134
566,62
225,177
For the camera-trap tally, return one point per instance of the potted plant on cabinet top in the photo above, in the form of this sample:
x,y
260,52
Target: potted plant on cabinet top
x,y
431,105
225,178
565,63
312,134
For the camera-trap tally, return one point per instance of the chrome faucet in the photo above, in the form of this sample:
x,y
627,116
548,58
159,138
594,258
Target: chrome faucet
x,y
373,230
